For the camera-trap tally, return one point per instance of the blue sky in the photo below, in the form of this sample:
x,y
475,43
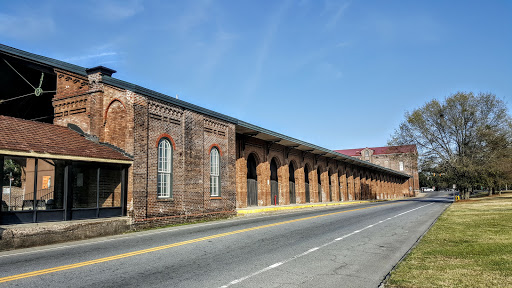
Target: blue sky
x,y
339,74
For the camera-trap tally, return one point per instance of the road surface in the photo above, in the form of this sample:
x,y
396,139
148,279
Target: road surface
x,y
344,246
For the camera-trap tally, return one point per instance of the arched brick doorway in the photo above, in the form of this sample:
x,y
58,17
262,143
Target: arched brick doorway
x,y
291,171
318,173
274,183
252,181
306,180
329,174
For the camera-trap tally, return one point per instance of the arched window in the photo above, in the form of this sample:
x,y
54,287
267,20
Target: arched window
x,y
214,172
164,182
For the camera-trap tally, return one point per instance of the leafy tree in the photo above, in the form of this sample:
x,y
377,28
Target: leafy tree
x,y
11,166
466,137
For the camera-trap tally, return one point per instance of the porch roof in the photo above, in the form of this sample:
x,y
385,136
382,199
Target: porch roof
x,y
27,138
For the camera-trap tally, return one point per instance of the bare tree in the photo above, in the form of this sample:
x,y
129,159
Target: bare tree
x,y
465,136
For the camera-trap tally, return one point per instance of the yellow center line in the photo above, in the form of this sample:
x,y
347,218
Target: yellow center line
x,y
158,248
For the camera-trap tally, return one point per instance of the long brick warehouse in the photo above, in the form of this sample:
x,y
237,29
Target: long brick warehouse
x,y
187,162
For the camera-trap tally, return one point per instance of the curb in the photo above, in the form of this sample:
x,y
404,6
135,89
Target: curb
x,y
283,208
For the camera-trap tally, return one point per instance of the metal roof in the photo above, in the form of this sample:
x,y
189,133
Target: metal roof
x,y
242,127
281,139
112,81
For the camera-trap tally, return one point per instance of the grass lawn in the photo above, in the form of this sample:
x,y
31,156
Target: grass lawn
x,y
469,246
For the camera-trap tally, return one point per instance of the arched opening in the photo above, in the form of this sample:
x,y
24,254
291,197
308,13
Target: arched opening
x,y
318,173
164,178
364,185
329,173
291,172
116,124
306,180
252,181
215,172
274,183
341,180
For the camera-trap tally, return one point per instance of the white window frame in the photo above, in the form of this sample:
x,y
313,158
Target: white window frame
x,y
214,172
401,165
164,177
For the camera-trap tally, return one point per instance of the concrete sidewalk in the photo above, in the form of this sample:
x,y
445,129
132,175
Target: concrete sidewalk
x,y
265,209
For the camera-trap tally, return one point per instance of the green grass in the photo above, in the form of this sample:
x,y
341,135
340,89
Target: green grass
x,y
469,246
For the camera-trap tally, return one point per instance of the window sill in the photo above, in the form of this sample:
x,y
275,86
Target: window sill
x,y
215,198
164,199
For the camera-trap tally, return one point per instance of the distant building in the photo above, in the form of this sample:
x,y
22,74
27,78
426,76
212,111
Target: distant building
x,y
402,158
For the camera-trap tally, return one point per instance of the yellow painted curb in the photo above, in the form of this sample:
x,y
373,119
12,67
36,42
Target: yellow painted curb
x,y
278,208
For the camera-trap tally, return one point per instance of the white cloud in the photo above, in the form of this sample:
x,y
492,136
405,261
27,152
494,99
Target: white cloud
x,y
26,27
195,16
118,10
216,50
267,40
91,56
330,70
343,44
103,54
338,10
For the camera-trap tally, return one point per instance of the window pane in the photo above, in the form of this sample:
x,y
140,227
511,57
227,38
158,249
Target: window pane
x,y
214,172
50,184
18,184
214,186
164,177
214,162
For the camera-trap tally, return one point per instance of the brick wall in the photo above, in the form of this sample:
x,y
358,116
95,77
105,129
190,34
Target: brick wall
x,y
135,123
392,161
347,181
193,135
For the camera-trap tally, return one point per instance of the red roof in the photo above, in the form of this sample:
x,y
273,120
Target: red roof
x,y
30,136
380,150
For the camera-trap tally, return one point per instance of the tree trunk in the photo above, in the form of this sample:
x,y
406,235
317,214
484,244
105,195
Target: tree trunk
x,y
489,191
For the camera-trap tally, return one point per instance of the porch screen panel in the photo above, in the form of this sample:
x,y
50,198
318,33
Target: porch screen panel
x,y
50,184
110,187
84,185
18,184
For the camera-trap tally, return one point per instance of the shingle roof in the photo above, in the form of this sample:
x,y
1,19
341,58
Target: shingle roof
x,y
380,150
42,138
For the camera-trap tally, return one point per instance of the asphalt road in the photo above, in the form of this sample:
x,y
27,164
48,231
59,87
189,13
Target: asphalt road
x,y
345,246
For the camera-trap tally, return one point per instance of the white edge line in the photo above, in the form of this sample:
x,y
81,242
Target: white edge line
x,y
314,249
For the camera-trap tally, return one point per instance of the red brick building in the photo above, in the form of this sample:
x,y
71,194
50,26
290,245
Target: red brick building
x,y
402,158
188,161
